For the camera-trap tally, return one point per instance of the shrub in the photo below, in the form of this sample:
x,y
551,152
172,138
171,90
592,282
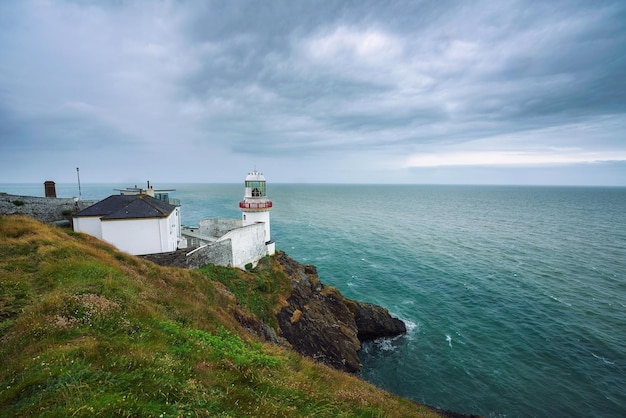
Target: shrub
x,y
18,203
66,212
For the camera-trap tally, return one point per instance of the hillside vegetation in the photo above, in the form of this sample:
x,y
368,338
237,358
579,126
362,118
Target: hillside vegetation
x,y
86,330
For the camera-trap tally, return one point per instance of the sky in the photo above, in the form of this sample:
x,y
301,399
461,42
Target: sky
x,y
366,91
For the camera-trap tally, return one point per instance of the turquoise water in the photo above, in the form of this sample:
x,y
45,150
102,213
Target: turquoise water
x,y
515,297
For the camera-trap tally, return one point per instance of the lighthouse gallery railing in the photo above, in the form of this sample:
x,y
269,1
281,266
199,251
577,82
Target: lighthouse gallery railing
x,y
260,205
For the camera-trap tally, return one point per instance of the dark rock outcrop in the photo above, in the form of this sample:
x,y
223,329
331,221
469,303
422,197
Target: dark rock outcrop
x,y
319,322
374,322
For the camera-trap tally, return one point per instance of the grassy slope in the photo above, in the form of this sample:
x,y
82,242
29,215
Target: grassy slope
x,y
86,330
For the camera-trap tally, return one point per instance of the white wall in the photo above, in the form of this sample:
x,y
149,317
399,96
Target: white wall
x,y
271,248
88,225
252,217
143,236
248,244
173,231
135,236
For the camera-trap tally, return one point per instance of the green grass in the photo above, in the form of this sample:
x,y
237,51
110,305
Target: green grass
x,y
86,330
260,290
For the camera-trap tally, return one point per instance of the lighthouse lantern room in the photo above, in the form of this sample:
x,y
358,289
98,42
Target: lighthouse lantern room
x,y
255,206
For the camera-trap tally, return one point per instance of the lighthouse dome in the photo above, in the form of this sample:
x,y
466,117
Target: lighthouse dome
x,y
255,176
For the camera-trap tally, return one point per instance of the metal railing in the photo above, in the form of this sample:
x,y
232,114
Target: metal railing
x,y
259,205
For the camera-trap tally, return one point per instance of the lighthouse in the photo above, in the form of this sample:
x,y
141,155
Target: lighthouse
x,y
255,206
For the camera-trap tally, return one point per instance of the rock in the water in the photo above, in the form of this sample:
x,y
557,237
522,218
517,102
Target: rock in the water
x,y
320,323
374,321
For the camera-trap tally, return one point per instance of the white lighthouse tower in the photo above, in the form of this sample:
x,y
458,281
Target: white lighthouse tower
x,y
255,206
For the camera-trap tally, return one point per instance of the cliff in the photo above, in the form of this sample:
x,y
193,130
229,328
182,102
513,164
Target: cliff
x,y
319,322
87,330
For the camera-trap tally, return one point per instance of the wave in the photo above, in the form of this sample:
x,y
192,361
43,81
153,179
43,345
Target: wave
x,y
560,301
604,360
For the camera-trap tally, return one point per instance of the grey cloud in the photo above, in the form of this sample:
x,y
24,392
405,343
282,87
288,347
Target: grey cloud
x,y
64,131
329,79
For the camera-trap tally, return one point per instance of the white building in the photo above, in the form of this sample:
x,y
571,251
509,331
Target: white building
x,y
233,242
255,206
136,223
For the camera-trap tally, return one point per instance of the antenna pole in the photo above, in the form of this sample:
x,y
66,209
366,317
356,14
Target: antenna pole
x,y
80,195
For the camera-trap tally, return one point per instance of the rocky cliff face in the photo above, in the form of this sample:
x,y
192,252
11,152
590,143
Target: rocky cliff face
x,y
320,323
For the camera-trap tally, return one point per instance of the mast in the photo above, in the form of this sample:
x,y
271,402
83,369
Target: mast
x,y
80,195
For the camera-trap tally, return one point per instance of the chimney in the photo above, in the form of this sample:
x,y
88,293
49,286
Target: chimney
x,y
50,188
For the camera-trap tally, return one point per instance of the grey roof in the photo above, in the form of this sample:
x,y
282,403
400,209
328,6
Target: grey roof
x,y
128,207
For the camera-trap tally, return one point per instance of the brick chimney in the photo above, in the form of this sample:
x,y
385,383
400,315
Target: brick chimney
x,y
50,188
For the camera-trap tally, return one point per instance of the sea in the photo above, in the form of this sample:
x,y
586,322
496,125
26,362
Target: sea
x,y
514,297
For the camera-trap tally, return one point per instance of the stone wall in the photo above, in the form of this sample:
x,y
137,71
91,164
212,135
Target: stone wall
x,y
218,227
219,253
45,209
176,258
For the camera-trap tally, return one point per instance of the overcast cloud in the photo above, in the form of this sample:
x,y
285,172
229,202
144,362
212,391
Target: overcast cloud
x,y
513,92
